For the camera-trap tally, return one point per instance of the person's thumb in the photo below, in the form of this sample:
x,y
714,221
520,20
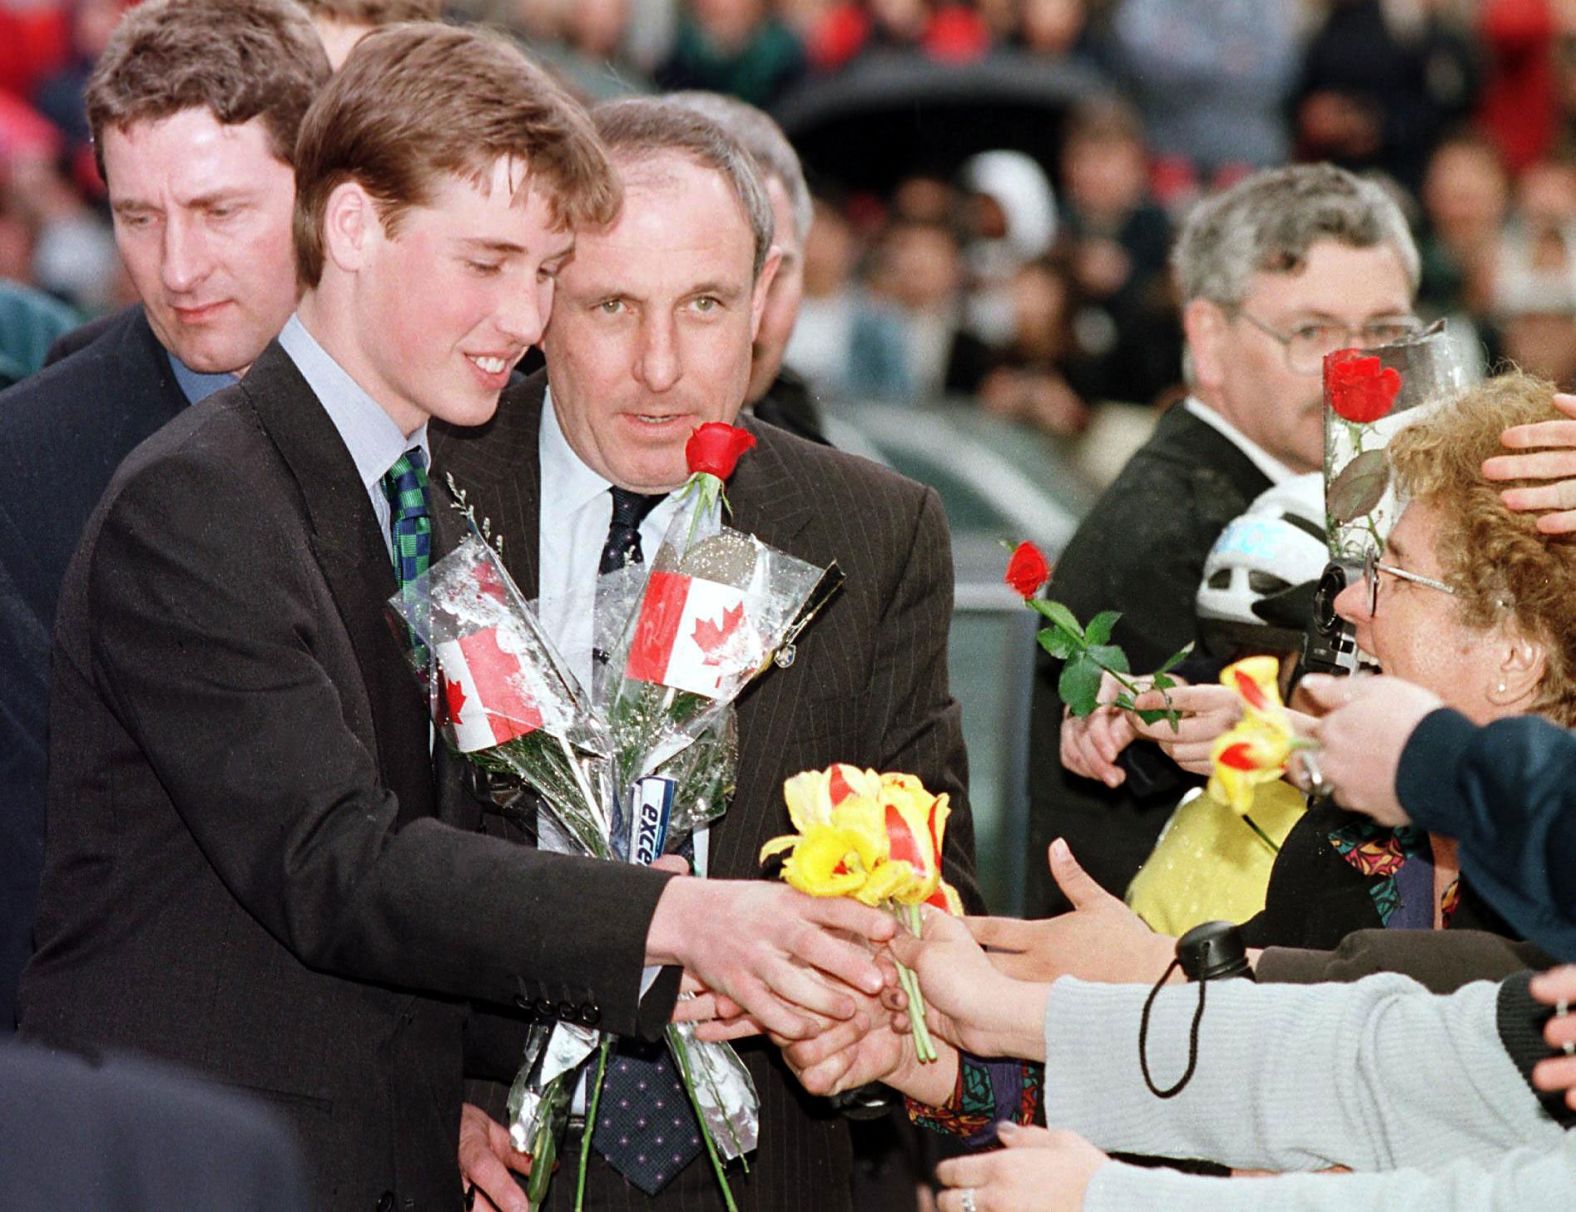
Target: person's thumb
x,y
1076,883
1326,691
675,863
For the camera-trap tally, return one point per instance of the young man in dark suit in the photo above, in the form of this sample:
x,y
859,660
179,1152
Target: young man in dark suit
x,y
252,869
1286,266
651,336
194,108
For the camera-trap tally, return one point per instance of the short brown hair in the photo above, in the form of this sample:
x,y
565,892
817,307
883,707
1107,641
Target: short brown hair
x,y
638,127
414,103
239,59
1495,558
374,12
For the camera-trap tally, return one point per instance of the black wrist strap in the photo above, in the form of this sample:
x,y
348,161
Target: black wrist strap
x,y
1192,1040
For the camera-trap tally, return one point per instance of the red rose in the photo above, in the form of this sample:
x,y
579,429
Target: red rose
x,y
1027,571
1358,386
715,448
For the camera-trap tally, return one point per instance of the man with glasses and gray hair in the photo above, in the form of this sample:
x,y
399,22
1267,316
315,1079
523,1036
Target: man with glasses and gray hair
x,y
1287,266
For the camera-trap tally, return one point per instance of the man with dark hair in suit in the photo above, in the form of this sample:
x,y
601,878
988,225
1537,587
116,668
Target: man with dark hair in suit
x,y
194,108
252,869
651,336
1283,268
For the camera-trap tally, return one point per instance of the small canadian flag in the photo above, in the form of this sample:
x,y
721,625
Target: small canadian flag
x,y
485,701
690,634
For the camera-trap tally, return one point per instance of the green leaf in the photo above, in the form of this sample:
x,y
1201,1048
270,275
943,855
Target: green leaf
x,y
1057,642
1155,714
1059,615
1108,656
1358,487
1162,681
1099,629
1176,658
1080,685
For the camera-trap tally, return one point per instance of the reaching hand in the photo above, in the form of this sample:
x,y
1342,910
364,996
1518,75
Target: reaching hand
x,y
968,1002
1040,1170
1100,940
1368,722
486,1159
1552,988
873,1046
758,943
1091,744
1550,454
1204,712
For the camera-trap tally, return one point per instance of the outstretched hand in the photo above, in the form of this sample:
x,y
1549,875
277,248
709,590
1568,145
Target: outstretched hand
x,y
1040,1170
1100,940
1367,723
1546,451
873,1046
1555,987
765,946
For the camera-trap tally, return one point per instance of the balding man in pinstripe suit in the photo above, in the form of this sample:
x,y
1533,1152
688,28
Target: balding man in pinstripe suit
x,y
650,337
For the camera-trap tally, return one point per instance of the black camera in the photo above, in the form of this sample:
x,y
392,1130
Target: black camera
x,y
1330,644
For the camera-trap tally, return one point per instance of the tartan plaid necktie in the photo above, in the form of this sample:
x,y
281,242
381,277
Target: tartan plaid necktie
x,y
410,520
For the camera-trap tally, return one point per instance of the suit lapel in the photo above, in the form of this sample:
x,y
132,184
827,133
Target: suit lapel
x,y
497,469
349,549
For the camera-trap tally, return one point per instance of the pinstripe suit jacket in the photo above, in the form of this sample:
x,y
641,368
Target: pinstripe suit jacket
x,y
869,687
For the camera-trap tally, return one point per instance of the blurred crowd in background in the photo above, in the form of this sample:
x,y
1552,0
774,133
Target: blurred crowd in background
x,y
1011,249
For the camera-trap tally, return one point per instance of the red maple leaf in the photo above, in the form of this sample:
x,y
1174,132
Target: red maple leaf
x,y
710,637
453,700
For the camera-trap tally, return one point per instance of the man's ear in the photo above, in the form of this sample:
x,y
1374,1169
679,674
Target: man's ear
x,y
763,286
1204,327
350,223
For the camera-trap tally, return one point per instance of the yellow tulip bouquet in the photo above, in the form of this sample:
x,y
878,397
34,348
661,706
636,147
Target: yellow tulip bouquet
x,y
876,838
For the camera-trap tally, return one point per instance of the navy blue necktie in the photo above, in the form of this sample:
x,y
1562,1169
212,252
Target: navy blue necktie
x,y
645,1126
623,534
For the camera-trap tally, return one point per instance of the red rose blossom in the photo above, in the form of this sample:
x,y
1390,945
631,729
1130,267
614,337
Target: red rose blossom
x,y
1027,571
1359,386
715,448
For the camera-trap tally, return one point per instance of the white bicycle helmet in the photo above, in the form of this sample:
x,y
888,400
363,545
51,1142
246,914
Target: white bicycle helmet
x,y
1259,577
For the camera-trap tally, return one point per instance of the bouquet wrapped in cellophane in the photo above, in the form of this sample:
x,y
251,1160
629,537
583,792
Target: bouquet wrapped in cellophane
x,y
628,767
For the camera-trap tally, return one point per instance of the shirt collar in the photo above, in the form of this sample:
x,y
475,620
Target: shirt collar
x,y
198,385
1274,470
374,441
567,483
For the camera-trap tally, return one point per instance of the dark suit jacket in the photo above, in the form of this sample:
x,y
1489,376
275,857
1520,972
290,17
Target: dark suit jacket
x,y
63,432
1141,551
249,869
869,687
140,1138
83,335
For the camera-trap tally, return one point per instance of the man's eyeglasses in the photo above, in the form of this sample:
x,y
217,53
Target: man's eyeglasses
x,y
1306,345
1373,566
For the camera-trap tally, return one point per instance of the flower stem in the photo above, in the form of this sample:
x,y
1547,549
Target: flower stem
x,y
677,1044
590,1128
1264,837
924,1046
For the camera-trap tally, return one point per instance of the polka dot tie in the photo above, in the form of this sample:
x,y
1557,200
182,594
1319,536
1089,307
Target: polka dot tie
x,y
645,1125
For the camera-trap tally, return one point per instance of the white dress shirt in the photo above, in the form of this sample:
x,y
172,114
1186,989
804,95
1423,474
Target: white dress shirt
x,y
1274,470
